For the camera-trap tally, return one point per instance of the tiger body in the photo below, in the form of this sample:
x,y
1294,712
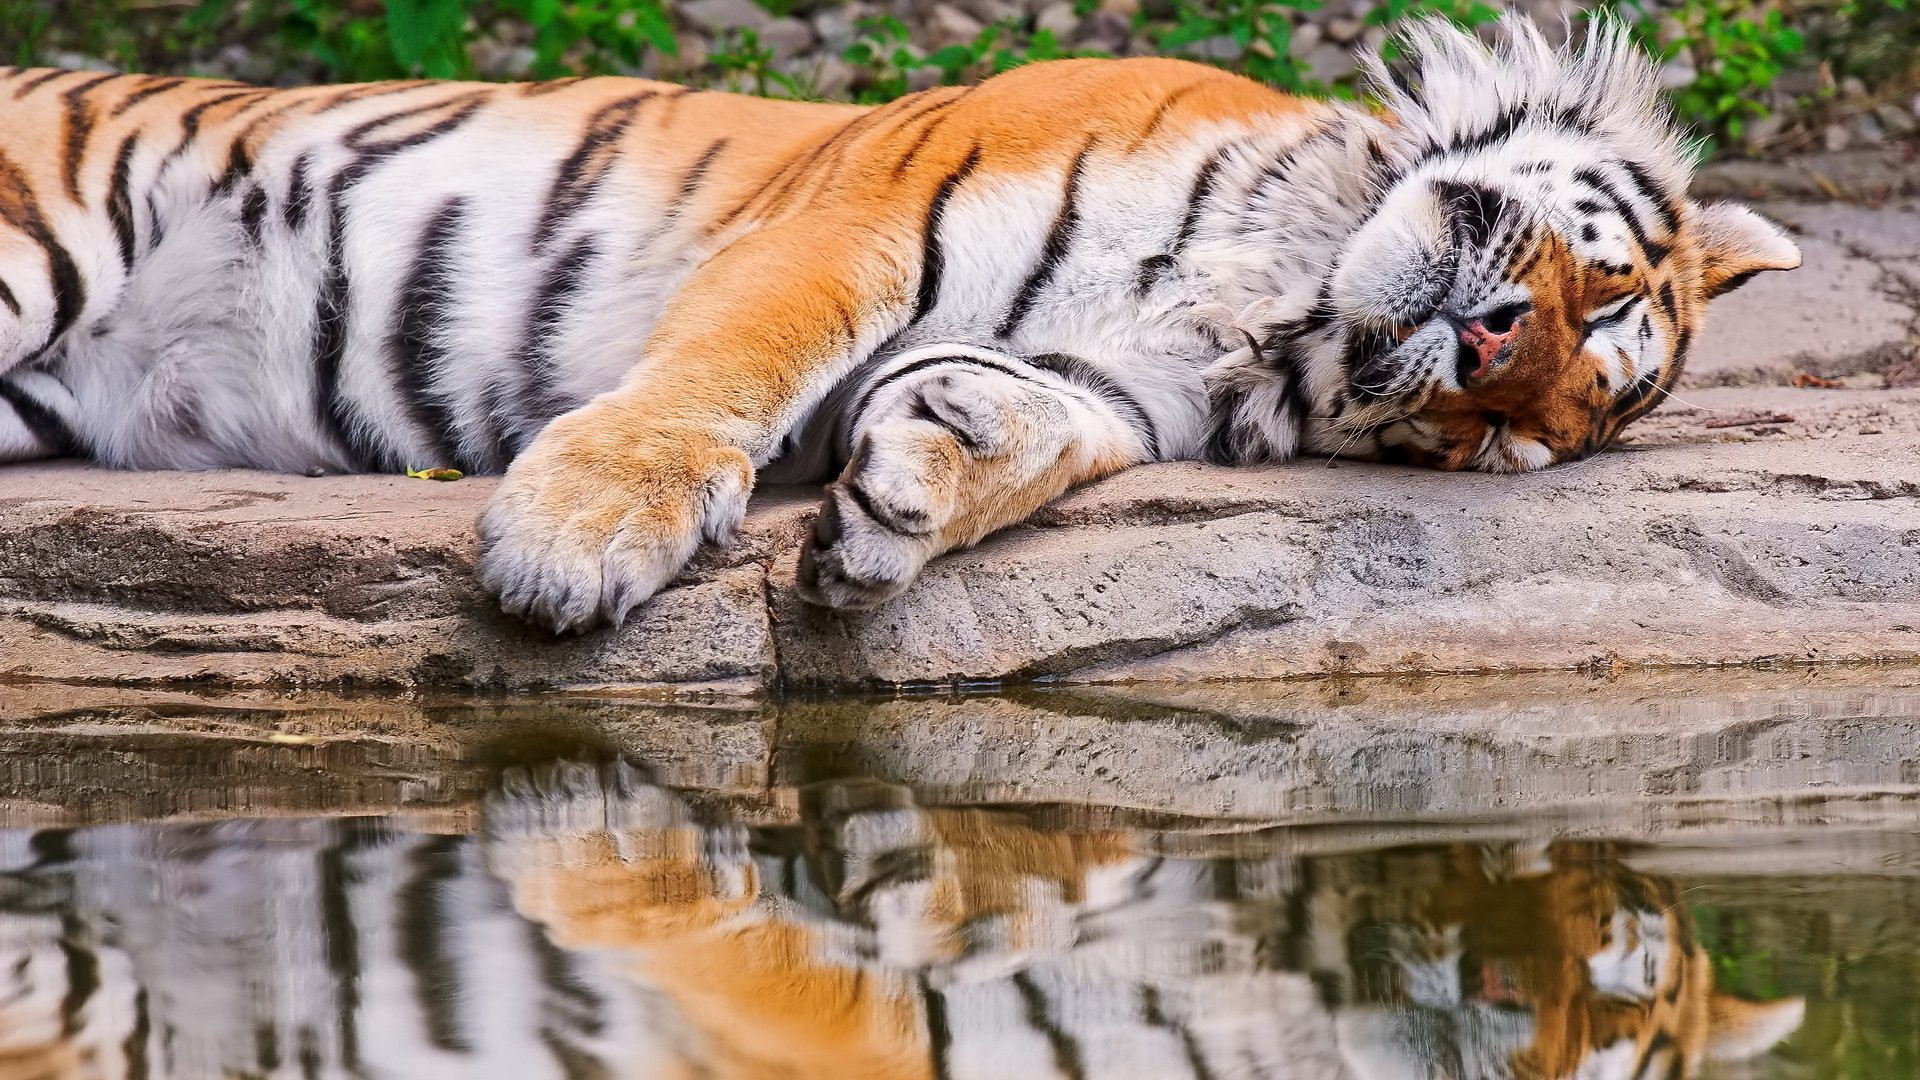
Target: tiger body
x,y
600,927
640,299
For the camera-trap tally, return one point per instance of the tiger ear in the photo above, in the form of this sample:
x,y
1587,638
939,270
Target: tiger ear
x,y
1735,244
1741,1030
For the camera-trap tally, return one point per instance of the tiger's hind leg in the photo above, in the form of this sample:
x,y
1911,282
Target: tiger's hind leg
x,y
952,444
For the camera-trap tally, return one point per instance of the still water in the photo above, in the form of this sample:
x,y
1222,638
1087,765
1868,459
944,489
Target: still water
x,y
1523,880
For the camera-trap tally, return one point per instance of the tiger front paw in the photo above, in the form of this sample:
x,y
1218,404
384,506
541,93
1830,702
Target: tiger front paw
x,y
592,520
938,475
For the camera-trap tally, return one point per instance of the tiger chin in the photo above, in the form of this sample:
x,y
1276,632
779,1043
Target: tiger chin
x,y
640,300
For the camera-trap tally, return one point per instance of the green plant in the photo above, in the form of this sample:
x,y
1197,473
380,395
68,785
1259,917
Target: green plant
x,y
1260,31
744,63
1736,53
356,41
886,58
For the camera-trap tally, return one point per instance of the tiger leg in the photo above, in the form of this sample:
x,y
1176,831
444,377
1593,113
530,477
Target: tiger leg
x,y
608,503
963,443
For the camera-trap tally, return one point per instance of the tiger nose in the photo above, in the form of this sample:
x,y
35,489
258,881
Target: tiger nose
x,y
1486,342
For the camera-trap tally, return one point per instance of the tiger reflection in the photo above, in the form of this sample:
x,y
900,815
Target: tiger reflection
x,y
603,926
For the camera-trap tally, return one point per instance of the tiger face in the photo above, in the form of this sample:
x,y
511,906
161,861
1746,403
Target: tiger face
x,y
1532,280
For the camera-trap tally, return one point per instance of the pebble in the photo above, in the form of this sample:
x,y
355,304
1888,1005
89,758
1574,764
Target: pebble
x,y
718,16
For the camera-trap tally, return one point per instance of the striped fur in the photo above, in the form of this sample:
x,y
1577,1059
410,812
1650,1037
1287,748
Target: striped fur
x,y
602,928
638,300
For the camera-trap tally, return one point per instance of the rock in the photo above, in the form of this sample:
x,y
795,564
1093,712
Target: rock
x,y
948,25
714,17
1328,62
1058,19
1678,72
1868,129
1214,48
500,60
1897,120
787,38
1105,31
1694,551
74,61
1762,132
1305,37
831,77
1126,9
1344,30
1836,137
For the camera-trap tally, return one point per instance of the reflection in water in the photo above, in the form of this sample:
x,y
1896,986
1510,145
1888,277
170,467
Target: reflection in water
x,y
601,926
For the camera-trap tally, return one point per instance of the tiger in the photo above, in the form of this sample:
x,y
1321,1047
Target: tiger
x,y
638,300
602,925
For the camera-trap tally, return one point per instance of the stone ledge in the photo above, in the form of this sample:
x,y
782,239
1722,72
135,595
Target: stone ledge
x,y
1689,553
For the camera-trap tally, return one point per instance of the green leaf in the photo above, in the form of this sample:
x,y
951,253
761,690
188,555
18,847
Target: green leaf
x,y
418,28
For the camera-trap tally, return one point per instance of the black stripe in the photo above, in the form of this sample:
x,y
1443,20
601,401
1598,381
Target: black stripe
x,y
926,133
77,122
1655,252
1665,298
1054,251
134,1049
933,260
155,86
540,399
690,184
360,137
1085,373
422,942
253,207
190,120
1160,115
20,209
858,413
580,174
373,90
38,81
1066,1055
333,302
341,939
886,518
550,85
1653,192
1152,269
585,1011
939,1030
800,165
922,411
6,297
83,974
331,310
1152,1013
415,352
120,202
299,192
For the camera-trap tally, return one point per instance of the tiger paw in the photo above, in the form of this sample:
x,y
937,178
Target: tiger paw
x,y
594,519
933,477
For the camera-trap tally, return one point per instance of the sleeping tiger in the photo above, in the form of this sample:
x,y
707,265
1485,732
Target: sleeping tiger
x,y
604,927
638,299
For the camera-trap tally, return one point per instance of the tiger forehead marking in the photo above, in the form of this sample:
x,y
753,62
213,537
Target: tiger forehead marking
x,y
634,297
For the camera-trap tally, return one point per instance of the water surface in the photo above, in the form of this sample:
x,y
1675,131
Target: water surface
x,y
1713,878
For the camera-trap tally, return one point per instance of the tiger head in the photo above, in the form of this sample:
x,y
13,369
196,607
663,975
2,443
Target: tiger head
x,y
1532,962
1533,275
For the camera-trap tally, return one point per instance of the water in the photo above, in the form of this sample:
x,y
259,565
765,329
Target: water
x,y
1517,878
